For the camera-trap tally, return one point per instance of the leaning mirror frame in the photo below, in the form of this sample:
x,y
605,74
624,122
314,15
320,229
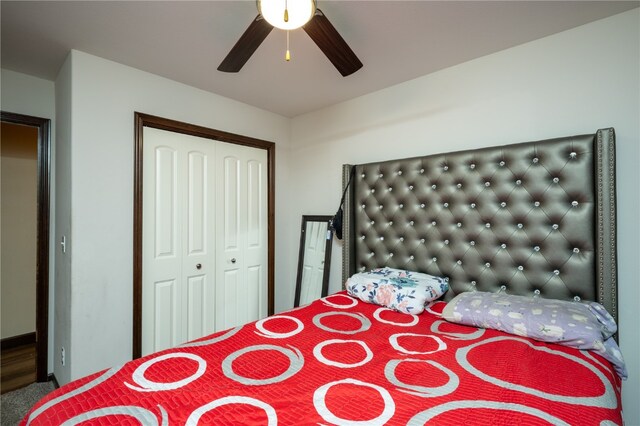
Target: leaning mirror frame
x,y
314,230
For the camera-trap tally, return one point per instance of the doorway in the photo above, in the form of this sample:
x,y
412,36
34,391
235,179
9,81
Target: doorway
x,y
20,158
143,121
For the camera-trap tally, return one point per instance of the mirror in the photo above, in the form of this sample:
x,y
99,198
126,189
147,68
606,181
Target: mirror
x,y
312,281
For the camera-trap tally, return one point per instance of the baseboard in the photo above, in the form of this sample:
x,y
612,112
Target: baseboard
x,y
52,378
20,340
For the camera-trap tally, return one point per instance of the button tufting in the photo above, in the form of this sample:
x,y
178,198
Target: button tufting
x,y
536,248
574,203
422,206
446,242
487,225
434,223
472,205
380,206
399,172
372,222
459,224
362,268
520,268
518,182
501,163
459,262
503,204
472,243
555,226
381,238
503,245
535,159
362,237
488,265
446,168
373,190
401,205
421,170
446,279
576,298
401,238
411,223
371,254
422,240
503,287
434,186
363,206
390,254
536,291
473,283
487,184
390,189
362,175
380,175
411,257
410,187
459,185
446,205
536,203
556,180
435,259
556,272
573,155
576,250
390,223
520,226
472,166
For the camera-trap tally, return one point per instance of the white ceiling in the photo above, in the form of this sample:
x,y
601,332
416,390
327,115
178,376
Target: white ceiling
x,y
185,41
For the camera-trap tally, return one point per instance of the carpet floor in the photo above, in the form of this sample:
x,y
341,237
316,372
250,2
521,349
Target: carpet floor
x,y
17,403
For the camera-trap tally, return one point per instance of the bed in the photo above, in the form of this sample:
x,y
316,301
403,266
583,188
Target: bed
x,y
532,219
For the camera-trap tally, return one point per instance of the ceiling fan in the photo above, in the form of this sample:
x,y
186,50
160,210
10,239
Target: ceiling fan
x,y
284,14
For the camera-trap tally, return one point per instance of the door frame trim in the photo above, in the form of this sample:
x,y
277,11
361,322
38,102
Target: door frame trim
x,y
42,234
142,120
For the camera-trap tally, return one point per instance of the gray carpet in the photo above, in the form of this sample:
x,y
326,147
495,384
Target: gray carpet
x,y
17,403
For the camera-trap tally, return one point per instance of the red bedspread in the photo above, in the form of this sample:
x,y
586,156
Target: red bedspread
x,y
340,361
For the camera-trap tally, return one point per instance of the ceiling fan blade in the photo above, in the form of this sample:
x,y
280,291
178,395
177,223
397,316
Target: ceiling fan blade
x,y
332,44
246,45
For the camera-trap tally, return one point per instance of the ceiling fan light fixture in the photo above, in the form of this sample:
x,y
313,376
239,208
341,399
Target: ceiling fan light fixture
x,y
287,14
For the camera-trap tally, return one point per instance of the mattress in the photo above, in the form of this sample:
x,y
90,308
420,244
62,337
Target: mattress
x,y
340,361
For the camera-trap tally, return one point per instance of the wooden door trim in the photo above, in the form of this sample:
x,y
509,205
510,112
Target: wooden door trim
x,y
141,121
42,235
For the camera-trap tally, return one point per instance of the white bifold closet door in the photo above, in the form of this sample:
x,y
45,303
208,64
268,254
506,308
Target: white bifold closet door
x,y
204,237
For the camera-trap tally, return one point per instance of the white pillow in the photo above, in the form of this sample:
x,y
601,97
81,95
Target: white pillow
x,y
400,290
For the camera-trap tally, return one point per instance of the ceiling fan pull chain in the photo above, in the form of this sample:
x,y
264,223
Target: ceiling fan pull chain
x,y
286,12
287,56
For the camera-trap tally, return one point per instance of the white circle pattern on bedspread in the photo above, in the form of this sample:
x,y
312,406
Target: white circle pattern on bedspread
x,y
317,352
364,321
296,362
393,340
353,302
606,400
414,318
195,416
274,335
144,416
422,391
146,385
321,407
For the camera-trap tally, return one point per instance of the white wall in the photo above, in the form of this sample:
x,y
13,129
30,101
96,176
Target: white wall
x,y
19,191
23,94
570,83
104,96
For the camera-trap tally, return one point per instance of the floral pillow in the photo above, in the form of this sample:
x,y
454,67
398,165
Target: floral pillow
x,y
586,326
403,291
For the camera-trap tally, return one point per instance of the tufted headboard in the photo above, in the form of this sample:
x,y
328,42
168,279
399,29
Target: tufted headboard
x,y
534,218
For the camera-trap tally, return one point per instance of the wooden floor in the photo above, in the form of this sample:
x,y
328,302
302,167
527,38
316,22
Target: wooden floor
x,y
17,367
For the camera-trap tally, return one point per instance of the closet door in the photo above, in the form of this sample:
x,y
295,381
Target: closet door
x,y
241,276
178,239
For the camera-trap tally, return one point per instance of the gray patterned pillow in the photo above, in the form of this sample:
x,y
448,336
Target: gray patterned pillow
x,y
586,326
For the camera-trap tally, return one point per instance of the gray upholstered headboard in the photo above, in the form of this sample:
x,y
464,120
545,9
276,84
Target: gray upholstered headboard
x,y
536,218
